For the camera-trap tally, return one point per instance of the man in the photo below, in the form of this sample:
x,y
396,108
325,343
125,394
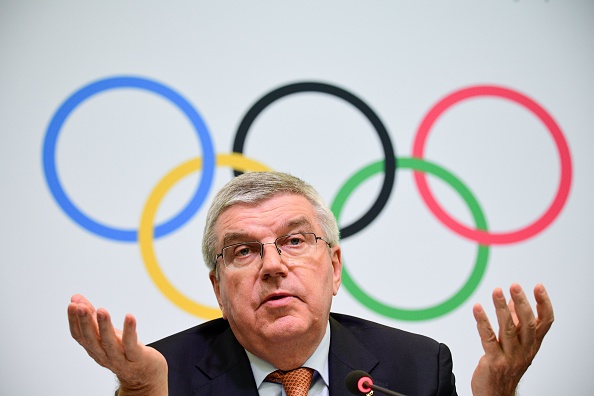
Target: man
x,y
271,244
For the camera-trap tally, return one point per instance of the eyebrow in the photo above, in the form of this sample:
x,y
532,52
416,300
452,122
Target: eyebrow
x,y
235,237
300,222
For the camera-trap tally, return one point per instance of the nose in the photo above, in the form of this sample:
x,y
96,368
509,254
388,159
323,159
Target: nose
x,y
272,264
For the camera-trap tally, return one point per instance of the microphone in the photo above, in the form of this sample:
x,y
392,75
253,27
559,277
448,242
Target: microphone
x,y
358,382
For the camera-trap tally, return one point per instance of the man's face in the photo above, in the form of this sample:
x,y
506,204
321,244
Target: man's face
x,y
280,299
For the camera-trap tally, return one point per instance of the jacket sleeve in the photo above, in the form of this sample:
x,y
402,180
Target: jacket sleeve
x,y
446,380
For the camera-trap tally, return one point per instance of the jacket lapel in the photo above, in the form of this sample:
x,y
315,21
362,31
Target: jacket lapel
x,y
347,353
226,369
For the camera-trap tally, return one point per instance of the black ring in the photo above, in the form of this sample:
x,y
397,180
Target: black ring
x,y
390,157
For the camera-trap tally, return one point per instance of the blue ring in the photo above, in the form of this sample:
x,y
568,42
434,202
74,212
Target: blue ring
x,y
49,157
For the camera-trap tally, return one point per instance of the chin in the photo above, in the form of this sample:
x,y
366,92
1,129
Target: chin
x,y
288,327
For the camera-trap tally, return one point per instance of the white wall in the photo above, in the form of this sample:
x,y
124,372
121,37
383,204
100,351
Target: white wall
x,y
400,58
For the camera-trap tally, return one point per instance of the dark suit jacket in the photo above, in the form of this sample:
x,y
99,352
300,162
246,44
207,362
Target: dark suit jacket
x,y
208,360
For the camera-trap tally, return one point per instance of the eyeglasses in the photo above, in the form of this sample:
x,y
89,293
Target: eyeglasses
x,y
244,254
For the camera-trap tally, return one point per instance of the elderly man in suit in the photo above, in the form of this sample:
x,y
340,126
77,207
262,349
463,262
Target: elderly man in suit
x,y
272,247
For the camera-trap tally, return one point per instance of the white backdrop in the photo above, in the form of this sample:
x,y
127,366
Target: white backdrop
x,y
400,58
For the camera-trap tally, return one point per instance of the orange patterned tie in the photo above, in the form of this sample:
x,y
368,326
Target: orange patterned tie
x,y
296,382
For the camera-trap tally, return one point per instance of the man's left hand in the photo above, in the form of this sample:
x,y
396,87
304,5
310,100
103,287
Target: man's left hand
x,y
508,356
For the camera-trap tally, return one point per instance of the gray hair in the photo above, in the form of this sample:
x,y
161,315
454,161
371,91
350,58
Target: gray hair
x,y
254,188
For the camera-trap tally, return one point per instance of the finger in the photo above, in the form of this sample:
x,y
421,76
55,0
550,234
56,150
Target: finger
x,y
508,338
89,331
544,309
130,339
526,325
73,322
80,299
485,330
109,340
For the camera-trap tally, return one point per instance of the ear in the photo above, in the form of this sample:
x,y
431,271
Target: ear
x,y
216,287
336,257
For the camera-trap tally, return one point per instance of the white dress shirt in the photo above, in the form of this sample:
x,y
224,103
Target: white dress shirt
x,y
317,361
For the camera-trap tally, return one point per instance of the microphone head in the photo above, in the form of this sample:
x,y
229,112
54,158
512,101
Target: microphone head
x,y
358,381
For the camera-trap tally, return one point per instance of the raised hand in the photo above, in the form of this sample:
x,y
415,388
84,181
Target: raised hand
x,y
141,370
509,354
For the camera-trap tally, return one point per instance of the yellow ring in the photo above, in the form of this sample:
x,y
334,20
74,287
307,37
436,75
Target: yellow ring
x,y
146,231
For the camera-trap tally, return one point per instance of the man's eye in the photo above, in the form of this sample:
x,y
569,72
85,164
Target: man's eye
x,y
244,250
292,241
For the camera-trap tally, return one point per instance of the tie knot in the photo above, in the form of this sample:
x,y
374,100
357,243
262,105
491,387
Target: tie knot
x,y
296,382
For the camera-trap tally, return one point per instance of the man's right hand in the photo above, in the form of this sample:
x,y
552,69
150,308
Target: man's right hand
x,y
141,370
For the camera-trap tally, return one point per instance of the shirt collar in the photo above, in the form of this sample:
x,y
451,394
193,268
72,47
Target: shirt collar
x,y
317,361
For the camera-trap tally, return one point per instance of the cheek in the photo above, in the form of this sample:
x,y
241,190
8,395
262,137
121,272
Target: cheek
x,y
236,295
319,283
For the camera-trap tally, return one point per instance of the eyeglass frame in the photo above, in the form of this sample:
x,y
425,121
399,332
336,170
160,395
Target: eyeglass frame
x,y
262,244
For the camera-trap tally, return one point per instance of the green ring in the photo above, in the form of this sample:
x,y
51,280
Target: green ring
x,y
480,264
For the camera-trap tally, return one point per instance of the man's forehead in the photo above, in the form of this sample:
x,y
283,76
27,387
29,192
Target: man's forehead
x,y
298,216
281,202
298,224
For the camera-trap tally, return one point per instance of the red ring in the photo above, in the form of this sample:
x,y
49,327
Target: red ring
x,y
363,384
485,237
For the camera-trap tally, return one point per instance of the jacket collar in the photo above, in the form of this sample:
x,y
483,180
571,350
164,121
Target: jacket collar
x,y
226,368
228,372
347,353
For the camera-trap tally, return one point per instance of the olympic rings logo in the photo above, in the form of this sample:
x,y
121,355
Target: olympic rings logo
x,y
147,231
